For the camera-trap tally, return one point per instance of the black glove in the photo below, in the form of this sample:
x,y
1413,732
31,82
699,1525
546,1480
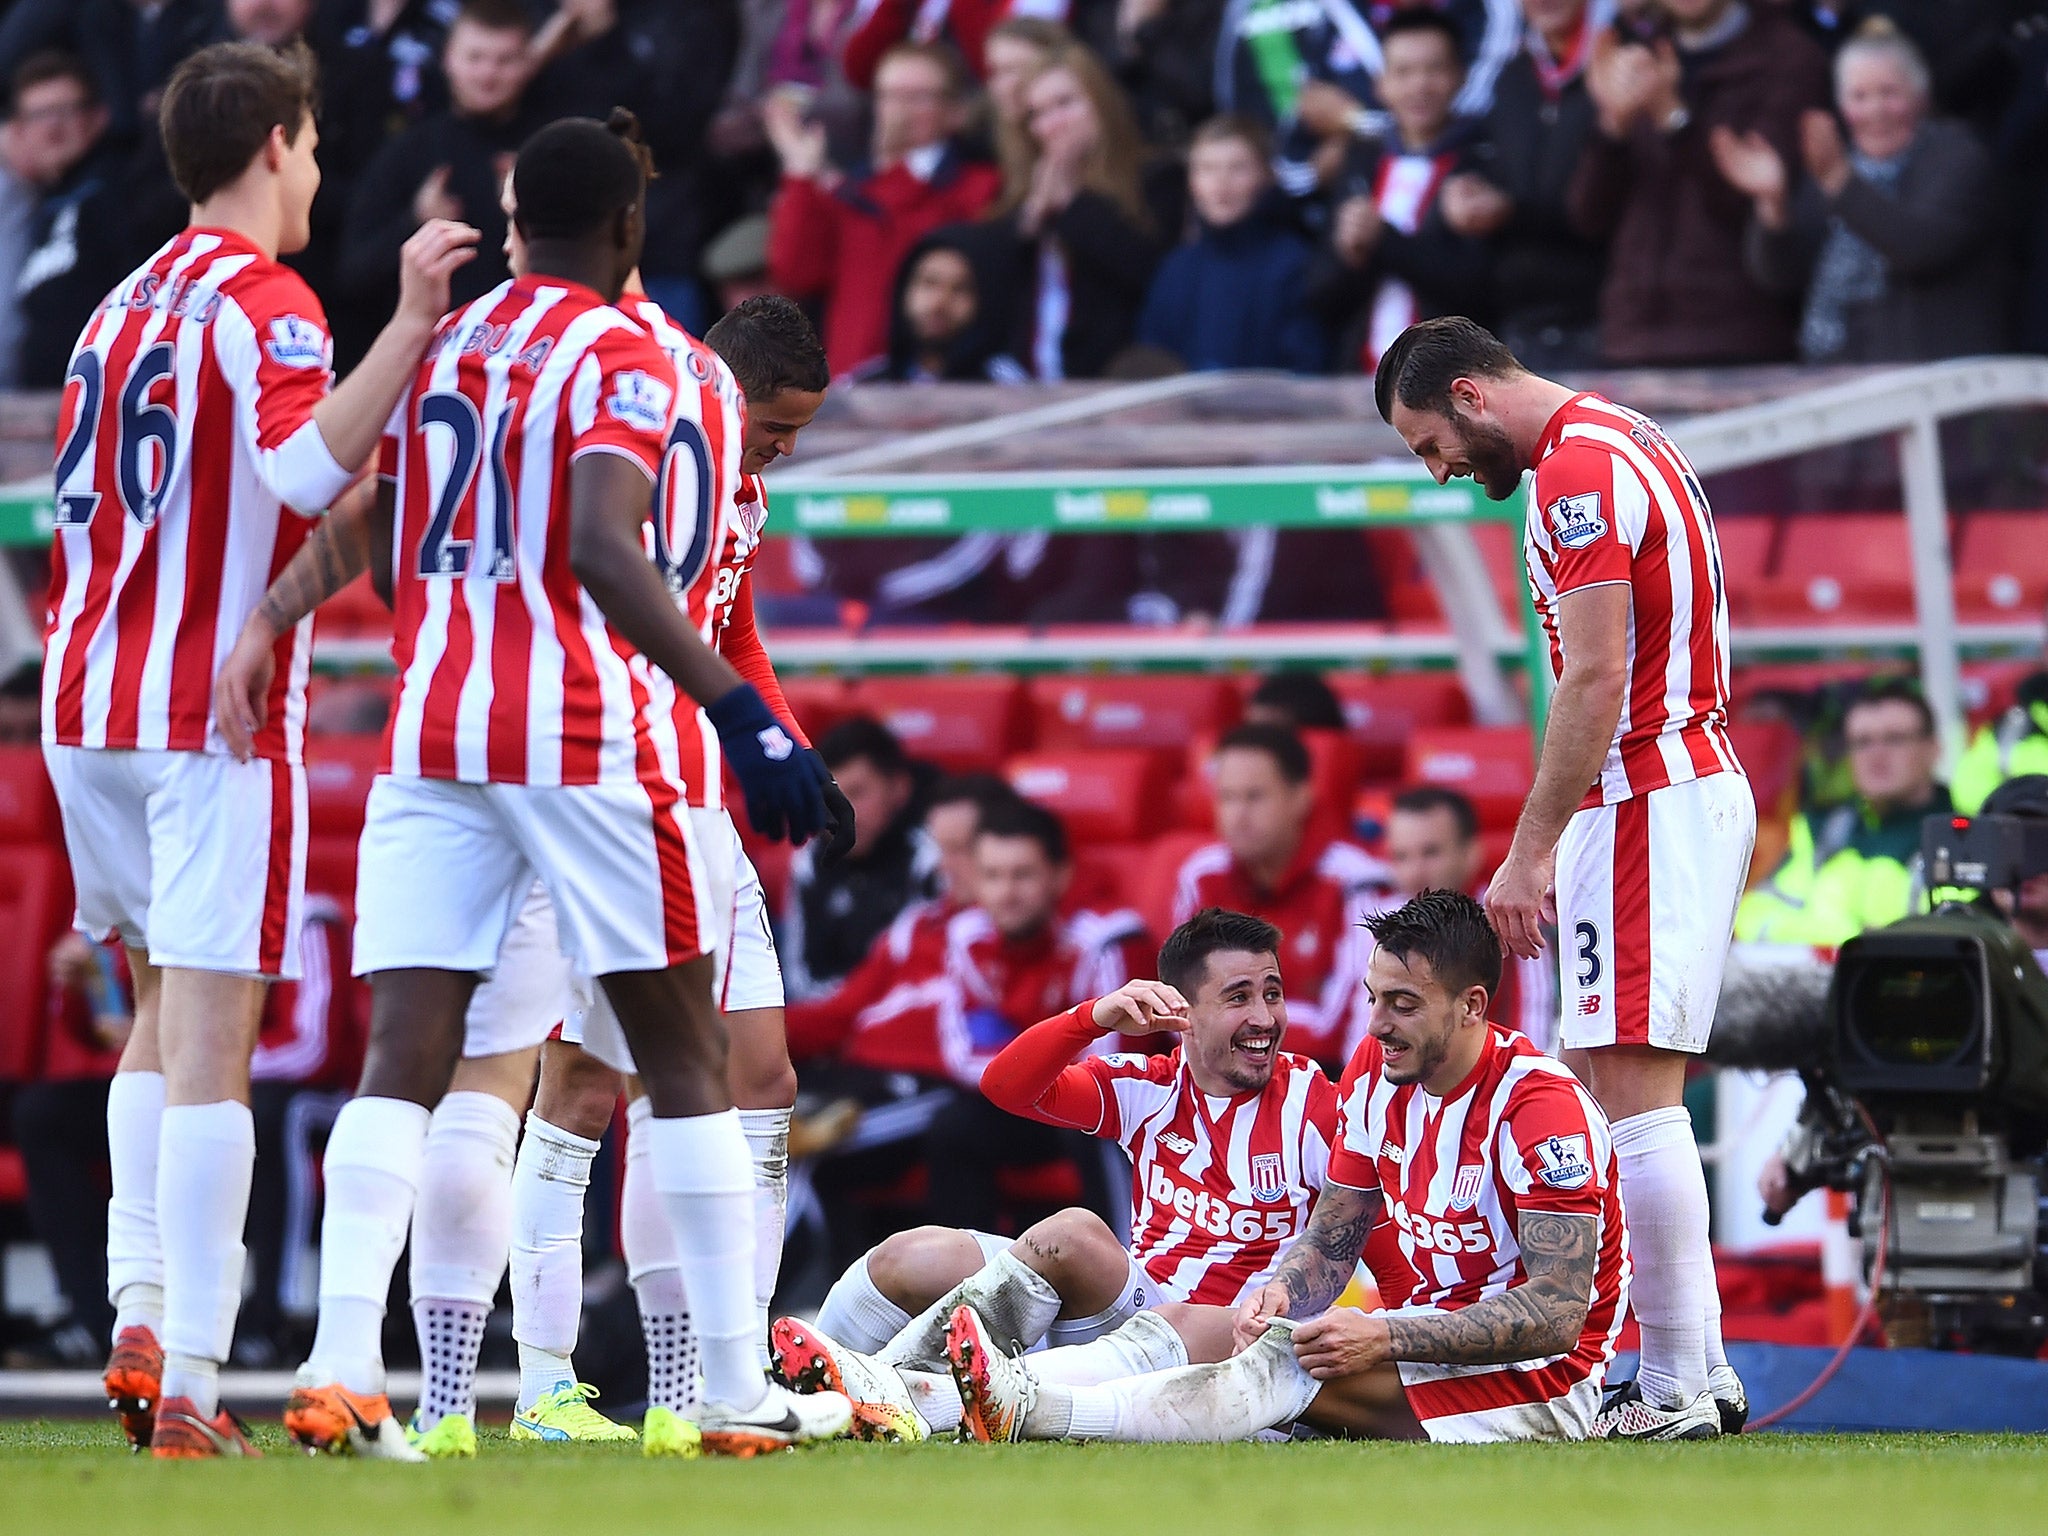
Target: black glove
x,y
784,793
839,831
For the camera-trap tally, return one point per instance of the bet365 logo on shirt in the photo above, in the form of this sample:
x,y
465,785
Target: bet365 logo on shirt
x,y
1576,520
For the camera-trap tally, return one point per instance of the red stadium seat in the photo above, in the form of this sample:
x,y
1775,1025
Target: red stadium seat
x,y
1769,751
1410,593
1138,711
1106,876
1748,540
35,907
1837,567
1989,686
338,774
818,702
13,1177
1492,765
771,863
964,724
331,867
2001,565
1158,878
1382,712
354,611
1101,796
28,805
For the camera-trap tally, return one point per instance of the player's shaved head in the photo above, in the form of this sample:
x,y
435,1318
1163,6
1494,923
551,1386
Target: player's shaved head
x,y
573,180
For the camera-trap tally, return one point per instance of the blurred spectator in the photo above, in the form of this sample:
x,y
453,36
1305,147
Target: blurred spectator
x,y
736,263
452,165
1164,56
1433,843
1265,863
938,330
77,239
1546,276
1230,296
1676,290
1084,233
840,239
952,817
129,46
933,1001
1017,50
879,25
830,917
1391,258
2023,157
21,706
1315,71
1891,237
1295,700
2014,744
19,195
668,64
1859,867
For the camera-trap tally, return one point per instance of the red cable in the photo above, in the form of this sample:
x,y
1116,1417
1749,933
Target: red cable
x,y
1863,1321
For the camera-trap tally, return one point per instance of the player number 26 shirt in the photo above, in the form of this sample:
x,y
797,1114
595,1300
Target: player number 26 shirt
x,y
1616,503
1520,1133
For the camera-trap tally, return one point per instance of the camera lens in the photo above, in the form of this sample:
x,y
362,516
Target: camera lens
x,y
1909,1013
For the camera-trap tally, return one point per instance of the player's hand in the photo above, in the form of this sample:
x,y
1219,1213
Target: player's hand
x,y
1141,1008
1342,1342
1518,901
241,690
840,833
437,248
784,787
1473,206
1256,1312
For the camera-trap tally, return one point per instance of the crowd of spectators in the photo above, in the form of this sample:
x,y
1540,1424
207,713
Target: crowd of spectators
x,y
1050,189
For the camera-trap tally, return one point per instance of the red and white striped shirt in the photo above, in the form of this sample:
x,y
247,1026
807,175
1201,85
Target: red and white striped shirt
x,y
1519,1133
509,673
1616,502
185,442
1219,1186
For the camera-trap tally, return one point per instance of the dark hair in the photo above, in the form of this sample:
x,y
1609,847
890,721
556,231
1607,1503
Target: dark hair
x,y
1449,930
1019,817
1184,957
1893,690
1419,368
1423,18
49,64
1303,697
863,738
1425,798
495,16
770,345
572,178
220,105
1238,128
1277,742
623,124
980,790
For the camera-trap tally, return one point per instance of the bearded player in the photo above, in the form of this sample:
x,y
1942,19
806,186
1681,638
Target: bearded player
x,y
1498,1173
1230,1140
1640,819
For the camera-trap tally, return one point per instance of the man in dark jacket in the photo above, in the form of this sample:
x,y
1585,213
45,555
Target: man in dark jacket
x,y
830,917
1676,291
1231,296
453,164
1391,258
131,48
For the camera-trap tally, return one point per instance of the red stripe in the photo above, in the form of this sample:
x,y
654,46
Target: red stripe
x,y
505,734
1504,1388
672,857
277,888
208,516
1630,949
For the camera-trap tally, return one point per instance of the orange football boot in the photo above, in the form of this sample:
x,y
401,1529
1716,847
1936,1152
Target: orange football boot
x,y
182,1432
334,1420
134,1381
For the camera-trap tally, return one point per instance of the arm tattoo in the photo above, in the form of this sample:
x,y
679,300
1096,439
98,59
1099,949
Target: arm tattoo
x,y
1541,1316
1319,1263
336,554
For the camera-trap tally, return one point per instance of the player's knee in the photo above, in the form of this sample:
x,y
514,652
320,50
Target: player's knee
x,y
577,1091
911,1268
759,1085
1070,1243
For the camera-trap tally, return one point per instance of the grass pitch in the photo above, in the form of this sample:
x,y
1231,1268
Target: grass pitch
x,y
70,1475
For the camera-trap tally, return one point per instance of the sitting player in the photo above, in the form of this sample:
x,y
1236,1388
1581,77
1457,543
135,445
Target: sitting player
x,y
1215,1194
1499,1170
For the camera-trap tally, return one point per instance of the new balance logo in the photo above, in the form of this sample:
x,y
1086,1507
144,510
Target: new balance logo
x,y
1589,1004
1176,1143
1391,1151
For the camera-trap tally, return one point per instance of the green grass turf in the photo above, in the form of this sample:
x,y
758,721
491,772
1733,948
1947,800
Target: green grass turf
x,y
60,1476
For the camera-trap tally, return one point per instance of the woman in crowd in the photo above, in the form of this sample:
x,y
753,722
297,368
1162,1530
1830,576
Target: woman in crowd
x,y
1891,236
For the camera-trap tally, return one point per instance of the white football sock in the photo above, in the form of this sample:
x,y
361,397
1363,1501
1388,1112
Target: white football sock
x,y
549,1184
1665,1192
461,1233
135,1260
767,1132
1016,1302
206,1155
1256,1390
936,1398
372,1170
542,1371
857,1314
706,1183
1717,1352
1147,1342
650,1246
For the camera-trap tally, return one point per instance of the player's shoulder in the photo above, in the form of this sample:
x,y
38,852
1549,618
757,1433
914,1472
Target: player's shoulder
x,y
1363,1068
1209,862
1533,1084
1350,867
